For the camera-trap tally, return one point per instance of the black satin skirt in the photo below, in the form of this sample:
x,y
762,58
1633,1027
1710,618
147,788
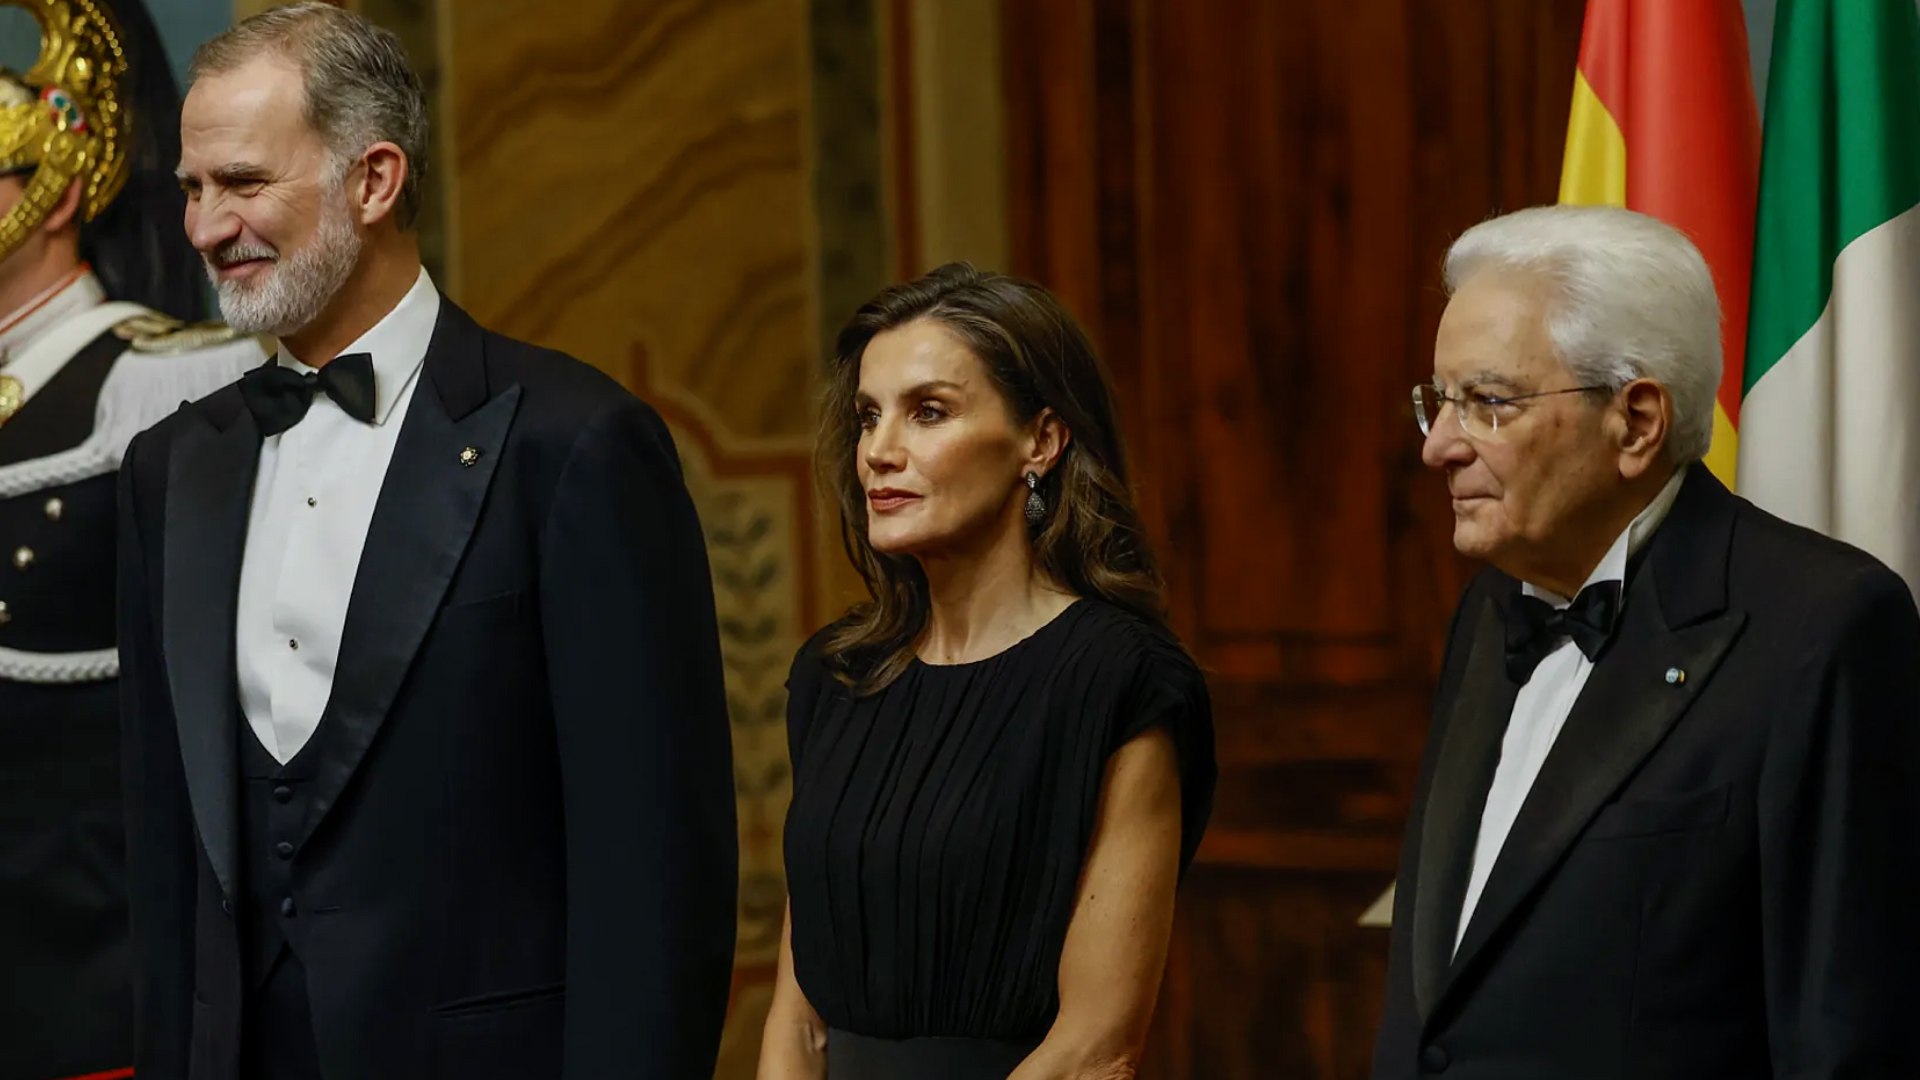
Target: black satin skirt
x,y
860,1057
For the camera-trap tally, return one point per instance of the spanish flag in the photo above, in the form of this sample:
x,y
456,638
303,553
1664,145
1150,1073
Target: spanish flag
x,y
1664,123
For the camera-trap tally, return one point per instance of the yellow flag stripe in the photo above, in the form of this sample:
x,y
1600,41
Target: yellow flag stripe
x,y
1725,454
1594,171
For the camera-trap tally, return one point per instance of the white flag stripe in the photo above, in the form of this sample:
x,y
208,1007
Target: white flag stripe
x,y
1840,410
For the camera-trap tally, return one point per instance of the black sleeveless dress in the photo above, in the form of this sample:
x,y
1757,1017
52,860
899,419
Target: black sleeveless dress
x,y
938,830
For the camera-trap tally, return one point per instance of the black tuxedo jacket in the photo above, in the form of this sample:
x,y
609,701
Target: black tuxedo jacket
x,y
1716,874
523,866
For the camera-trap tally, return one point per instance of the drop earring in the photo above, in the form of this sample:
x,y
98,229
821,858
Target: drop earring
x,y
1036,506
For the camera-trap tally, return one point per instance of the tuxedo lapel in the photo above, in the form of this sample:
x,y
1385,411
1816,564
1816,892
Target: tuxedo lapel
x,y
435,486
210,478
1675,620
1476,723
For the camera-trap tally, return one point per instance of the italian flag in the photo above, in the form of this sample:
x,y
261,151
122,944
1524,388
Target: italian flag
x,y
1664,122
1830,421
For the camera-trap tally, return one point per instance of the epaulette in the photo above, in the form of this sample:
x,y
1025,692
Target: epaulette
x,y
161,335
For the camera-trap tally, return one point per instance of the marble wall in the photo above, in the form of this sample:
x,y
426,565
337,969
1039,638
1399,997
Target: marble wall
x,y
687,194
950,136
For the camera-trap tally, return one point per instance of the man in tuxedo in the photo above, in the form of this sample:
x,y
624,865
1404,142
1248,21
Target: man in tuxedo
x,y
427,762
1667,826
89,232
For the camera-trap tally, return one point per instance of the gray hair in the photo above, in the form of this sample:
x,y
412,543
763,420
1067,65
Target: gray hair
x,y
1634,300
360,89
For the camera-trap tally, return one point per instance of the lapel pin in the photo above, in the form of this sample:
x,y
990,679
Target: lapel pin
x,y
471,457
1676,677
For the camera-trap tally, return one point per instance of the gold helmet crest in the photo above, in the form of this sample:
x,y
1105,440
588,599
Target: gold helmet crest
x,y
65,119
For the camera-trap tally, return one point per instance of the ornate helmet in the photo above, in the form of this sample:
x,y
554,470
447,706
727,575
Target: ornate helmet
x,y
65,119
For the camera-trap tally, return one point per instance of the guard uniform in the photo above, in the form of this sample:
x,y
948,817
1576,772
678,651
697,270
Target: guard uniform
x,y
79,377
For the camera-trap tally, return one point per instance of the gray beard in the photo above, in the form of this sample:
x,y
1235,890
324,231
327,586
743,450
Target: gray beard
x,y
298,288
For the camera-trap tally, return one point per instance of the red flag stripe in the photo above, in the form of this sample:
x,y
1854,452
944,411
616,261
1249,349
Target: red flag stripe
x,y
1693,149
1603,54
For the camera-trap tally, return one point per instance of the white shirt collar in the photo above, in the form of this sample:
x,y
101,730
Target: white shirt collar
x,y
398,344
1613,565
75,293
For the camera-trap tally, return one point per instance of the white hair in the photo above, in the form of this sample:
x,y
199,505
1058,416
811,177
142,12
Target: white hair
x,y
1633,300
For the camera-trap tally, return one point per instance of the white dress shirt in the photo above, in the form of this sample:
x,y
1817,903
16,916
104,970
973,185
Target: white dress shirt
x,y
1541,708
313,499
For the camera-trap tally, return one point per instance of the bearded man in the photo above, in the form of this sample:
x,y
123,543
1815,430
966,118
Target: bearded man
x,y
428,766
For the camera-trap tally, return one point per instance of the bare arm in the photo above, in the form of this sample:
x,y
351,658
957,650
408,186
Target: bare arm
x,y
1116,945
793,1045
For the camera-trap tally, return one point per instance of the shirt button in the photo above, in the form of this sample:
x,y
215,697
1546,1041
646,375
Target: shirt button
x,y
283,794
5,615
1433,1058
22,558
226,907
311,501
286,907
294,644
55,508
283,849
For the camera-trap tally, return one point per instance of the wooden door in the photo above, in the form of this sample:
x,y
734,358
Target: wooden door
x,y
1247,201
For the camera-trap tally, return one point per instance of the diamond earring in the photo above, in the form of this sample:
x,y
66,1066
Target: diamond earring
x,y
1036,506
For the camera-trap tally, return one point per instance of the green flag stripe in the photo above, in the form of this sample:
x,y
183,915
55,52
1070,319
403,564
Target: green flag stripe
x,y
1842,155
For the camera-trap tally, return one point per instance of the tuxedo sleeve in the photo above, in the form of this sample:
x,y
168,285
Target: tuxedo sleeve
x,y
1838,807
633,661
161,849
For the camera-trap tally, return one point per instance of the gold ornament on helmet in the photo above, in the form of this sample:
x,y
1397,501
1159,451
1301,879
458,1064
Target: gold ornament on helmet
x,y
65,119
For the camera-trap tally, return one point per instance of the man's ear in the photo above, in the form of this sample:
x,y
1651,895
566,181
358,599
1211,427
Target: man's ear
x,y
1644,422
386,171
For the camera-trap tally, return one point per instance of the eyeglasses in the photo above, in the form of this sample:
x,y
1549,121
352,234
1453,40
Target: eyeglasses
x,y
1480,415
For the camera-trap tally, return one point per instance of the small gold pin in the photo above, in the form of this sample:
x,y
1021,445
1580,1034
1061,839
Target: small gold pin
x,y
1676,677
54,509
470,456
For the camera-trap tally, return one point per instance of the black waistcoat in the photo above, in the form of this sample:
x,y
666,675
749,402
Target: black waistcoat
x,y
277,1041
275,800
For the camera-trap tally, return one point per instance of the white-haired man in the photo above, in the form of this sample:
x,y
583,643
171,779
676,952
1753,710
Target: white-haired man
x,y
1667,826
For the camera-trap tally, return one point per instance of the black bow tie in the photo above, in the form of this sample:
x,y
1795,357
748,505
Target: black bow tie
x,y
279,396
1535,627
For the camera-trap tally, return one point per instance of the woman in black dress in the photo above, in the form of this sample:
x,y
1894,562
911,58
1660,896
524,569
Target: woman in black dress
x,y
1003,760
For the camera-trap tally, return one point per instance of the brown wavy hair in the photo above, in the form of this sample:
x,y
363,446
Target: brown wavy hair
x,y
1091,541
